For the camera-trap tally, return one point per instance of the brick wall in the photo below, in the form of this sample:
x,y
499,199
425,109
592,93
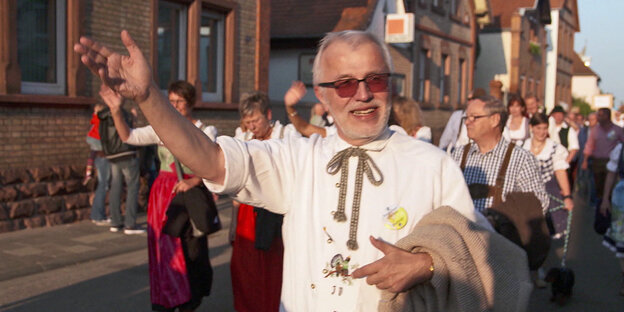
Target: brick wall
x,y
43,152
35,136
104,21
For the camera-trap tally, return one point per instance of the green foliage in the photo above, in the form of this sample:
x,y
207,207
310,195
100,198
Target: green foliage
x,y
583,106
535,48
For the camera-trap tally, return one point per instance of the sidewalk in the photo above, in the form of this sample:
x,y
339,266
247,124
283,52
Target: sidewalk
x,y
38,250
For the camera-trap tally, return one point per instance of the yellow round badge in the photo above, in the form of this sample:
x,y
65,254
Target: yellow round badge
x,y
396,218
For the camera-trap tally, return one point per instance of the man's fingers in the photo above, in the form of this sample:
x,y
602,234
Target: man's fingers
x,y
366,270
375,279
132,47
381,245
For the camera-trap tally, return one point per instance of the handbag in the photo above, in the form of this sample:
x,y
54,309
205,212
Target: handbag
x,y
195,208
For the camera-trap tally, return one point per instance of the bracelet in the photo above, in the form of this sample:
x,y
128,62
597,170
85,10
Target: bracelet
x,y
567,196
293,114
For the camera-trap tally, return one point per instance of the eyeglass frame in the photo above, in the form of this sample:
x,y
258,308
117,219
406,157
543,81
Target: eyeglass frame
x,y
475,118
332,84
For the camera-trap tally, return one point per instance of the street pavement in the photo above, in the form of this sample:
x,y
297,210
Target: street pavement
x,y
83,267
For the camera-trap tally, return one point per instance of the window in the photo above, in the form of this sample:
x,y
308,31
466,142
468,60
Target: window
x,y
41,46
398,84
538,92
423,76
211,55
445,70
171,43
461,74
454,9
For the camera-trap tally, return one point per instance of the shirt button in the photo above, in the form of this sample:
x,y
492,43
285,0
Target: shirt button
x,y
337,184
312,286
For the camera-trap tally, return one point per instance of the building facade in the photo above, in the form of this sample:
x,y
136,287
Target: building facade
x,y
436,69
560,56
512,57
584,81
46,94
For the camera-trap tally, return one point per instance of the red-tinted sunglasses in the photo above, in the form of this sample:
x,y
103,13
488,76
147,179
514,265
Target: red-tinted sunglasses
x,y
347,88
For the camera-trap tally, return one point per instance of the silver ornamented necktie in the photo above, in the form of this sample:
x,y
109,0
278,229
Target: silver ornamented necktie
x,y
340,162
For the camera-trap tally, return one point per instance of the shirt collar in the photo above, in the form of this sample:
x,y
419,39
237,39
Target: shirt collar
x,y
375,146
474,148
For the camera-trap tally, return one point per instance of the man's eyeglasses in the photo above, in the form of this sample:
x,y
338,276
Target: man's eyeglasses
x,y
474,118
347,88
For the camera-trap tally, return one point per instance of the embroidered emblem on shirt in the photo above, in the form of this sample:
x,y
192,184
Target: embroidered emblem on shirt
x,y
395,217
339,267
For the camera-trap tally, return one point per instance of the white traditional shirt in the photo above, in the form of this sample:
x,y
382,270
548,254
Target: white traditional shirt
x,y
146,136
553,133
455,133
290,177
279,132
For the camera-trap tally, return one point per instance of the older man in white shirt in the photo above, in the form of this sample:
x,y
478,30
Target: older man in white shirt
x,y
336,193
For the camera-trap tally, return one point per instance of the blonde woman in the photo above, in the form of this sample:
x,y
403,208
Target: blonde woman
x,y
408,116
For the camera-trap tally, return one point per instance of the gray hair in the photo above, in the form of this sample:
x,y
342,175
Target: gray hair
x,y
495,106
254,101
354,38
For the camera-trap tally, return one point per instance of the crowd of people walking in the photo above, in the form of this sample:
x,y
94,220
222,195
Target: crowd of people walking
x,y
307,238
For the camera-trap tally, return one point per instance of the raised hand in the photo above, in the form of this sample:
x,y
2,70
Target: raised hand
x,y
130,76
398,270
112,99
295,93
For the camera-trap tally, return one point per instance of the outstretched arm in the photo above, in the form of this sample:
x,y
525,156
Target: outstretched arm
x,y
291,98
131,77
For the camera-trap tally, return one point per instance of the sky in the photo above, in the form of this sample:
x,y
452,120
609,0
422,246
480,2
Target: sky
x,y
602,30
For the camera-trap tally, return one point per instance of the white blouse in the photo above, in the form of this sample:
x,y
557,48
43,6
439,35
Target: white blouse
x,y
147,136
279,132
558,158
519,134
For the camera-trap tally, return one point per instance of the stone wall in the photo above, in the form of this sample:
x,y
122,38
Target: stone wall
x,y
45,196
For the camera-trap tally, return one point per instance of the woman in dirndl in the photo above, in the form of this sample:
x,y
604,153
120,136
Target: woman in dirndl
x,y
614,237
178,281
553,168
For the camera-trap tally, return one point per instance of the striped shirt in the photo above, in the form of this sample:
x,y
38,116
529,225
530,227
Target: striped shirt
x,y
523,174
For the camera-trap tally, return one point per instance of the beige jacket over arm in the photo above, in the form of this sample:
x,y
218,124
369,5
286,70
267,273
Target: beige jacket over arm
x,y
475,269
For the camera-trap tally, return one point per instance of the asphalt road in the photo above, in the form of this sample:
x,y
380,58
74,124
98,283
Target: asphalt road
x,y
81,267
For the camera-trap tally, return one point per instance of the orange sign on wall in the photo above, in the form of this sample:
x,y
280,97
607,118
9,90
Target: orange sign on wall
x,y
400,28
